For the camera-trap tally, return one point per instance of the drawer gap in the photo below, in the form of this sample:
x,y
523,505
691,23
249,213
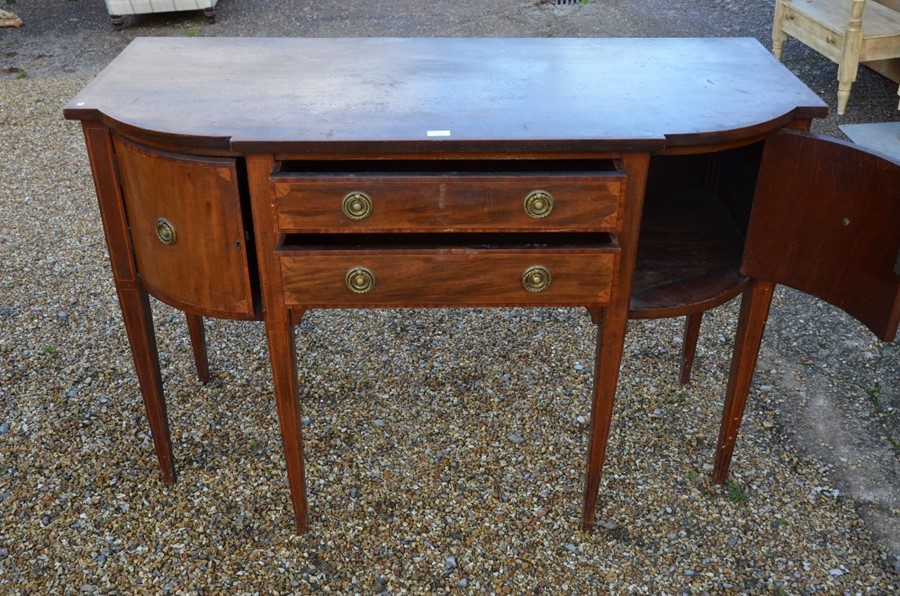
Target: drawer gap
x,y
425,241
444,167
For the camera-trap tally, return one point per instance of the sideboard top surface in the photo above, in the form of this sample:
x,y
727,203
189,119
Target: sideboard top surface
x,y
413,94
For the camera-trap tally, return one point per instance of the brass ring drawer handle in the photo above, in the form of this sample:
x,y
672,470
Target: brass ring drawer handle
x,y
360,280
357,205
536,278
165,231
538,204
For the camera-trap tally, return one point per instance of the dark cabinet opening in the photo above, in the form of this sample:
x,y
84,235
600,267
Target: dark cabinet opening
x,y
696,213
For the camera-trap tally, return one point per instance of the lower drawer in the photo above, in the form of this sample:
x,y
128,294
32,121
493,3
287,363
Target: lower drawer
x,y
450,276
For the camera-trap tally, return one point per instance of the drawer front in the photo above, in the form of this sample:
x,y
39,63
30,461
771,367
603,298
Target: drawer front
x,y
449,277
187,230
521,202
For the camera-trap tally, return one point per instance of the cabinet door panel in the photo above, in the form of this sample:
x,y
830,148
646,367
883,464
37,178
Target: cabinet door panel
x,y
184,214
826,221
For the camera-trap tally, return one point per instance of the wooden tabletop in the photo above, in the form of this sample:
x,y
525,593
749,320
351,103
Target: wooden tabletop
x,y
376,94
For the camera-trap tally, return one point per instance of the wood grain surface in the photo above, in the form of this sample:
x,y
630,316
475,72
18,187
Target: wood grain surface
x,y
377,94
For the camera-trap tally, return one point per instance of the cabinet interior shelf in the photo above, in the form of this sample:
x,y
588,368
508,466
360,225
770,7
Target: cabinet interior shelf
x,y
689,256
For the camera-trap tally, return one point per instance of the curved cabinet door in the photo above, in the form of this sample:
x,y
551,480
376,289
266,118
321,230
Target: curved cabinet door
x,y
187,229
826,221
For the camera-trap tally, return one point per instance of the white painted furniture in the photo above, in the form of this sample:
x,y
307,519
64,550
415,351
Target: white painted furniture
x,y
846,32
118,8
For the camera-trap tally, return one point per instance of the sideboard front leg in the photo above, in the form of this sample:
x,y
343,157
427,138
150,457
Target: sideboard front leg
x,y
283,355
613,321
610,343
132,297
279,329
139,325
755,305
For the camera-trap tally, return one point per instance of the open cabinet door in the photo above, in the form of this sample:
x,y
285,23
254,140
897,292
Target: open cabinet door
x,y
826,221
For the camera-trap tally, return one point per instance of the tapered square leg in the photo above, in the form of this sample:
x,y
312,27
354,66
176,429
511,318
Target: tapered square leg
x,y
198,346
133,299
283,356
755,305
610,343
689,346
139,325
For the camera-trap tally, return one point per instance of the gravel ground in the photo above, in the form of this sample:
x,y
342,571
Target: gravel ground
x,y
444,448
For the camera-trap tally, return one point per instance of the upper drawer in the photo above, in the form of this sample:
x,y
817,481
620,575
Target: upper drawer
x,y
423,196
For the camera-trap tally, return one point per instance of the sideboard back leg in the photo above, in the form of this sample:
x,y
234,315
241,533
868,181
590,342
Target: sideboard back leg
x,y
689,346
198,345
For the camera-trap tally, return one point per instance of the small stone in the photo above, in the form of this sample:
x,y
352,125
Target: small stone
x,y
607,525
463,583
690,573
581,420
450,564
4,428
732,541
62,315
379,422
71,393
579,366
104,400
516,438
4,552
836,572
571,548
379,585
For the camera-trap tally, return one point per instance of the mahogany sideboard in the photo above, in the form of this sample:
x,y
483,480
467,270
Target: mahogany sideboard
x,y
258,178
